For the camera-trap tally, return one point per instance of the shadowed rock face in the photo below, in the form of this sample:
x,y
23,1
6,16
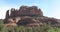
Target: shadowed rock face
x,y
7,14
27,16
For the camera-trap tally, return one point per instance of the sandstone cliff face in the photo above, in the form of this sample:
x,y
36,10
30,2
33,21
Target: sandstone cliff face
x,y
26,16
26,11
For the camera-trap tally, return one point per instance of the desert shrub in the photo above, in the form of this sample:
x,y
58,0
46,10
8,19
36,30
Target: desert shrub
x,y
45,28
2,26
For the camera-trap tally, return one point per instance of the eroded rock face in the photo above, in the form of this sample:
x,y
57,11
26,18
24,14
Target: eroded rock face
x,y
26,11
7,14
26,16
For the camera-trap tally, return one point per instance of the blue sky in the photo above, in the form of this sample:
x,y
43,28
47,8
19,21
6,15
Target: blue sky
x,y
50,8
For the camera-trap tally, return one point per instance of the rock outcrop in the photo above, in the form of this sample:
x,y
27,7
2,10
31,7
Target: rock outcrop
x,y
26,11
27,16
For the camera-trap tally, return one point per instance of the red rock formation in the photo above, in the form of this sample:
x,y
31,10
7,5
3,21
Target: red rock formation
x,y
40,12
31,16
26,11
7,14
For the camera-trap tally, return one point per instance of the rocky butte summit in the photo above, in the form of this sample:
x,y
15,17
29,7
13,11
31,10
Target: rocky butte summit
x,y
27,16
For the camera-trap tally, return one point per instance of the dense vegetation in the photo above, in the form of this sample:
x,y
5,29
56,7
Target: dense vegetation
x,y
44,28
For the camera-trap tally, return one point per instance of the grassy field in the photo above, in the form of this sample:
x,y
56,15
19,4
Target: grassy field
x,y
45,28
